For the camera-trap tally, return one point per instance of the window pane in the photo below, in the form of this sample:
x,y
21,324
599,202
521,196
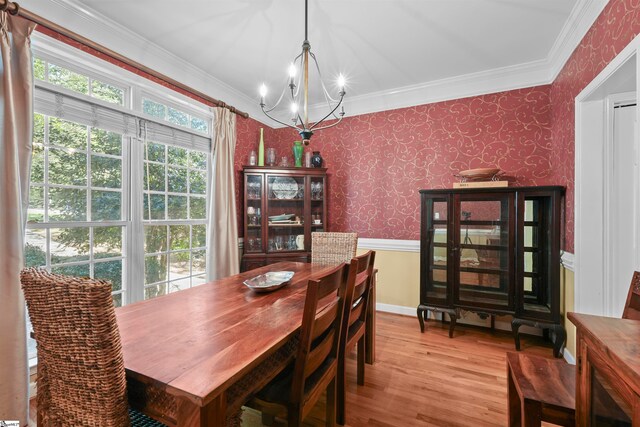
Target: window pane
x,y
35,249
111,271
67,204
199,236
107,242
38,128
67,168
199,124
36,204
106,142
66,78
198,280
155,268
153,177
198,182
37,163
198,160
155,291
69,245
153,108
106,205
178,117
179,235
177,156
81,270
117,300
177,179
155,238
107,92
39,70
156,210
177,207
180,284
106,172
154,152
198,262
179,266
198,207
67,134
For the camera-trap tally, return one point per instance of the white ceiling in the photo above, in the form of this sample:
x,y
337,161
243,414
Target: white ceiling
x,y
393,52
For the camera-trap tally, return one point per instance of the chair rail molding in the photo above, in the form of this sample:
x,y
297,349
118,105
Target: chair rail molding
x,y
389,245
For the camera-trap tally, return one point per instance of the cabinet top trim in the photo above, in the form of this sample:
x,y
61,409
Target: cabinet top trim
x,y
492,189
280,169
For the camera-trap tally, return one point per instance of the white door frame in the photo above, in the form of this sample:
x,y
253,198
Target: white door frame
x,y
593,139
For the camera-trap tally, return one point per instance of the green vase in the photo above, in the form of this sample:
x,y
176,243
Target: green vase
x,y
297,153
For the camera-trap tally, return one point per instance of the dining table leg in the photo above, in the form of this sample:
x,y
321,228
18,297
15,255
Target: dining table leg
x,y
370,326
193,415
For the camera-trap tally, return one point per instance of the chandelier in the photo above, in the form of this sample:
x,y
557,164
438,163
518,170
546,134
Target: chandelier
x,y
297,88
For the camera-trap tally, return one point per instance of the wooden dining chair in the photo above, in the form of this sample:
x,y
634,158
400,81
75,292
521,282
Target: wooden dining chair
x,y
355,324
632,306
81,377
333,248
296,390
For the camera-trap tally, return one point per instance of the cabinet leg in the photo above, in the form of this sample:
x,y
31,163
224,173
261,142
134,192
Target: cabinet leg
x,y
421,313
515,327
452,323
561,337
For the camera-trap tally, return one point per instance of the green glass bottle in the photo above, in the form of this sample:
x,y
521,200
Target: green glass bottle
x,y
297,153
261,148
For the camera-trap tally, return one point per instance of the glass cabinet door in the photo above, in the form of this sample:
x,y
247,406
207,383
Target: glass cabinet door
x,y
317,193
435,248
253,214
536,286
285,206
483,251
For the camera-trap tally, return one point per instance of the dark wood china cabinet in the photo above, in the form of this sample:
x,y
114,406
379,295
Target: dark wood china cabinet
x,y
493,251
282,207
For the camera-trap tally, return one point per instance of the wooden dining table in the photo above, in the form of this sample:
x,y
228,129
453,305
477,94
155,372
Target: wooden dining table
x,y
186,354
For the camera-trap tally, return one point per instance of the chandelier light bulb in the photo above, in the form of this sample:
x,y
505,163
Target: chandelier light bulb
x,y
263,90
292,70
294,107
341,81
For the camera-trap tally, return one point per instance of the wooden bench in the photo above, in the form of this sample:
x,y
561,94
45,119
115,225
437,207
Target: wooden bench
x,y
540,389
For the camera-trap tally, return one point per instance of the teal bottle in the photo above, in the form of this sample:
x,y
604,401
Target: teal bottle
x,y
297,153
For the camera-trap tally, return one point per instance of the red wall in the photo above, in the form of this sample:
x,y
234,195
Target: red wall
x,y
613,30
378,162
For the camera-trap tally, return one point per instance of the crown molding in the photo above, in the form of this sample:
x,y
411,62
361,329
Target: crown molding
x,y
74,15
582,17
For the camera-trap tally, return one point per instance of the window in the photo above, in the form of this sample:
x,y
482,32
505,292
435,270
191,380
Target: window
x,y
174,115
77,82
75,218
174,212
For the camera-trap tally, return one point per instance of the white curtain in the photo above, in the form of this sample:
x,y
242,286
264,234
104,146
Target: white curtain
x,y
16,122
222,232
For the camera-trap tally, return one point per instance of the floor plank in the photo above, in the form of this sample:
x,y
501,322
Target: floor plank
x,y
423,380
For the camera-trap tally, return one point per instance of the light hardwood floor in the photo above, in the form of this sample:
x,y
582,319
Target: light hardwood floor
x,y
428,379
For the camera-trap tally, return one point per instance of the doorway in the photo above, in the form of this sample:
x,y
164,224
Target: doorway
x,y
607,187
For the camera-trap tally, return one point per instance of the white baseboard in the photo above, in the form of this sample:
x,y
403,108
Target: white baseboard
x,y
396,309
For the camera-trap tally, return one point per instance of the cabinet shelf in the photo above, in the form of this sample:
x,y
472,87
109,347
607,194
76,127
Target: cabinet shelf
x,y
285,200
286,225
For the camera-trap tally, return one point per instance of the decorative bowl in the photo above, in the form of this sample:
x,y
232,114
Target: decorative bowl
x,y
480,173
269,281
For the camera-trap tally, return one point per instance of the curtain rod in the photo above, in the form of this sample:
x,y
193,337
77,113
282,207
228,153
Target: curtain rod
x,y
15,9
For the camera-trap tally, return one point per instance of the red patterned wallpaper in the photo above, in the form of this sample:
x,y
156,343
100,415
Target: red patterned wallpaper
x,y
378,162
613,30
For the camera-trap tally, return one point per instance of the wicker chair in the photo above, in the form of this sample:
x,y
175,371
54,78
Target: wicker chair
x,y
333,248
